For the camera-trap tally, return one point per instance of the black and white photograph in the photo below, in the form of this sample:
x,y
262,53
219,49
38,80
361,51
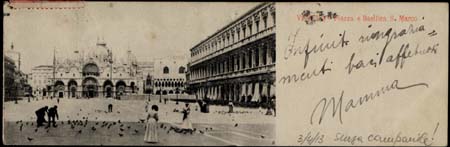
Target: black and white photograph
x,y
139,73
182,73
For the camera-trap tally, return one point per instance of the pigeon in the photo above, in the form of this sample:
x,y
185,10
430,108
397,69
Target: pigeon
x,y
35,130
93,128
262,136
17,122
162,125
118,111
210,129
121,129
118,121
120,134
31,124
128,127
206,129
72,127
121,125
201,132
235,125
96,123
48,130
79,132
30,139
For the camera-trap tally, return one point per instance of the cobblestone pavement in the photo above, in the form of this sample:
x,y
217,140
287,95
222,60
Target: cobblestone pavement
x,y
245,127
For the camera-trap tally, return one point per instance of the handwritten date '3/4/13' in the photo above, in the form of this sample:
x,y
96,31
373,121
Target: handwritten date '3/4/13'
x,y
310,138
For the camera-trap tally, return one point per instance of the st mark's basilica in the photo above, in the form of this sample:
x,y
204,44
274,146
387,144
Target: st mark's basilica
x,y
98,73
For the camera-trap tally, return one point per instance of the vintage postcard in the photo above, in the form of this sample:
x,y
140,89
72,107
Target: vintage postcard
x,y
225,73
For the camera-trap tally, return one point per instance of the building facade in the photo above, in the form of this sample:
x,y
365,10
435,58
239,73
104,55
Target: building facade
x,y
97,73
15,80
40,80
9,69
170,75
237,63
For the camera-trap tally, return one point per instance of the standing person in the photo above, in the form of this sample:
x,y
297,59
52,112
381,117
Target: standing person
x,y
57,100
110,105
230,107
151,134
186,125
52,113
146,106
274,107
40,115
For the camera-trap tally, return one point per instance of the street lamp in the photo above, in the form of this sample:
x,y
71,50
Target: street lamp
x,y
15,93
160,94
176,91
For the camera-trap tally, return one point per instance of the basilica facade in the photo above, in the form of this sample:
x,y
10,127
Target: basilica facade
x,y
97,73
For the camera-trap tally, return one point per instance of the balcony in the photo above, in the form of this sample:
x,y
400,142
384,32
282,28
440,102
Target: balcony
x,y
269,68
263,33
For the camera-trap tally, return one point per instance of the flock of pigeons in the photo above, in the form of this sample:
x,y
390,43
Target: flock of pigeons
x,y
80,126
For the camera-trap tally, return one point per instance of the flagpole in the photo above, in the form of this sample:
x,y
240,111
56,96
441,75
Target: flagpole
x,y
54,70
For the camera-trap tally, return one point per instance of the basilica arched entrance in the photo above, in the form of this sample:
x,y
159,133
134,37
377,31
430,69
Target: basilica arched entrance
x,y
59,88
90,87
120,88
72,86
108,88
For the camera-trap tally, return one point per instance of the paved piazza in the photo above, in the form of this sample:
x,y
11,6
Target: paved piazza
x,y
248,126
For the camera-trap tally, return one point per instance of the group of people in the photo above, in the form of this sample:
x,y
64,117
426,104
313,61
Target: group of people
x,y
152,119
52,113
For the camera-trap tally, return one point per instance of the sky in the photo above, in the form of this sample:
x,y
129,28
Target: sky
x,y
149,29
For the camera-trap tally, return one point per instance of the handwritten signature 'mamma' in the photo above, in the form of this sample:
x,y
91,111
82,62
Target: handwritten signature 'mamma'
x,y
352,103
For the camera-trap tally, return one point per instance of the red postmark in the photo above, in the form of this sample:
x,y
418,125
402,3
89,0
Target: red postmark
x,y
46,4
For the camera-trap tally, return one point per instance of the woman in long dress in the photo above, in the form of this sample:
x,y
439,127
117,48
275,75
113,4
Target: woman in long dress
x,y
151,134
186,125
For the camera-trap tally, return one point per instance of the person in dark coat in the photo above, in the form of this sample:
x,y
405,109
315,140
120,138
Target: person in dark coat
x,y
52,113
40,115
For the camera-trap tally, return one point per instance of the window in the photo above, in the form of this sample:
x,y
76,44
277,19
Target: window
x,y
181,70
166,70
